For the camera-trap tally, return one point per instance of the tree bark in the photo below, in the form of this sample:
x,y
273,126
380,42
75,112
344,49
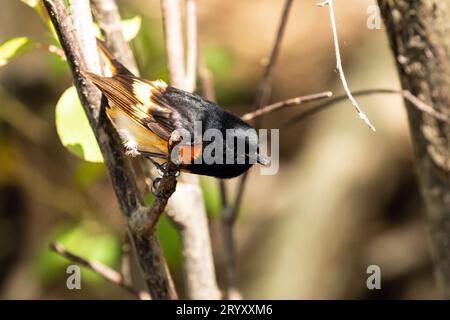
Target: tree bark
x,y
418,33
81,57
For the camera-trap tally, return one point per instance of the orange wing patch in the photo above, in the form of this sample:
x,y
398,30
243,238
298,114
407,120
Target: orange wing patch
x,y
188,153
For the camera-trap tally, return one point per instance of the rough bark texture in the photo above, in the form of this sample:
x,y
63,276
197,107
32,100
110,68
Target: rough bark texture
x,y
418,33
148,251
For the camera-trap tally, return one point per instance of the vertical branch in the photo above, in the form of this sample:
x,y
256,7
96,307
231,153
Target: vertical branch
x,y
418,33
173,36
191,45
230,213
229,256
147,248
107,15
186,207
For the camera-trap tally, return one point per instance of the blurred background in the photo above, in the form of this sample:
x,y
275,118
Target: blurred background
x,y
345,198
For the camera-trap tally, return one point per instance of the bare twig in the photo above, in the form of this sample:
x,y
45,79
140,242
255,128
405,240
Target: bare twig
x,y
339,67
145,224
52,49
262,95
147,248
99,268
285,104
415,101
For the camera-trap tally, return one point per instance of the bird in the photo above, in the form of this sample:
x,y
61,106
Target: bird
x,y
150,117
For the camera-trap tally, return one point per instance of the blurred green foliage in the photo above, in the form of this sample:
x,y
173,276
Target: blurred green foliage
x,y
211,194
12,48
86,239
86,173
73,127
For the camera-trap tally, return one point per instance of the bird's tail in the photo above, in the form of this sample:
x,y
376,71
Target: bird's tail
x,y
111,65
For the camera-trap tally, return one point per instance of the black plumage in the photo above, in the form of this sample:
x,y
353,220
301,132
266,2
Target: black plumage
x,y
147,113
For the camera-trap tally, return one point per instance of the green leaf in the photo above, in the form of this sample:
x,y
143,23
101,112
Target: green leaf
x,y
131,27
73,127
12,48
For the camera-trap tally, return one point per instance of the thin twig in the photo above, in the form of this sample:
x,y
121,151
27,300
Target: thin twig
x,y
262,95
148,251
52,49
339,67
415,101
285,104
99,268
145,224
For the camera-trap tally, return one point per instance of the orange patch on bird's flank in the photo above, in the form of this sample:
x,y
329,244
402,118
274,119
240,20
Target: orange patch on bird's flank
x,y
187,154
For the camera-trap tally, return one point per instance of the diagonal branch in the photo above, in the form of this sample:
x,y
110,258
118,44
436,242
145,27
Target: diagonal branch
x,y
285,104
147,248
415,101
263,93
99,268
339,67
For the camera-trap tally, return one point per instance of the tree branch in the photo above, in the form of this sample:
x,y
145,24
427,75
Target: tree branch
x,y
415,101
262,95
107,15
173,36
339,67
147,248
285,104
186,207
99,268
